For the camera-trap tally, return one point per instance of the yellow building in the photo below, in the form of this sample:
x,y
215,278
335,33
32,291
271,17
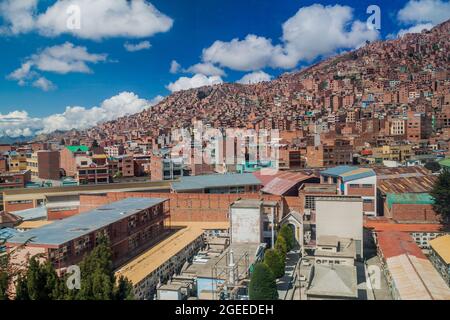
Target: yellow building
x,y
32,165
398,153
17,162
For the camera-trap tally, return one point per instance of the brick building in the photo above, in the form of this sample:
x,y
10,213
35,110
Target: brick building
x,y
131,225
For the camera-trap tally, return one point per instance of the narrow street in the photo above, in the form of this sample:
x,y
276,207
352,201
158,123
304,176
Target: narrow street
x,y
285,284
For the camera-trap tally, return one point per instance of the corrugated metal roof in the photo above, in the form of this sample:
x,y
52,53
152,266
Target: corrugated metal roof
x,y
413,275
32,214
348,173
421,184
63,231
408,198
442,247
215,181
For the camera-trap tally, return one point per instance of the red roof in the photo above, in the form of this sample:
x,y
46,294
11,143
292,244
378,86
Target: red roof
x,y
395,243
389,225
282,181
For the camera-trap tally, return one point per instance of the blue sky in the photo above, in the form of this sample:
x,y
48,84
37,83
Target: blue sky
x,y
182,30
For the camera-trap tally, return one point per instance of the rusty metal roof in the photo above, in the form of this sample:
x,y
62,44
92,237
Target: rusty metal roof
x,y
420,184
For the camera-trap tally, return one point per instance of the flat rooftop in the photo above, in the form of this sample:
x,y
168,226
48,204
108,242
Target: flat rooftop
x,y
63,231
143,265
215,181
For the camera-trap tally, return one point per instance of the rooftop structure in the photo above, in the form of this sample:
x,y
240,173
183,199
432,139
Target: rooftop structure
x,y
348,173
215,181
74,227
412,276
333,282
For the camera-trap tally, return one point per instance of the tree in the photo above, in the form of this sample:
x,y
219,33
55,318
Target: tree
x,y
41,279
262,284
281,246
94,144
274,260
288,234
441,196
98,281
433,166
124,289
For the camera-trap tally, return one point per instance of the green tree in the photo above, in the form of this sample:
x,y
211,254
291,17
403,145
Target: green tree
x,y
94,144
281,246
262,284
288,234
124,289
98,281
441,195
274,260
433,166
42,280
22,289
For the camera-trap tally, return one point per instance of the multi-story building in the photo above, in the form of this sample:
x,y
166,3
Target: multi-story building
x,y
398,152
418,126
131,225
397,127
44,164
166,168
328,155
17,161
354,181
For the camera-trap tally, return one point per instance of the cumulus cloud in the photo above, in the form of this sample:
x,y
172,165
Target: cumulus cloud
x,y
20,123
414,29
174,67
208,69
62,59
18,15
143,45
425,11
99,19
312,32
44,84
196,81
255,77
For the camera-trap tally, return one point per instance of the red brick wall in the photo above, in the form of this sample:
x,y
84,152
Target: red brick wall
x,y
18,206
61,214
188,206
367,192
413,212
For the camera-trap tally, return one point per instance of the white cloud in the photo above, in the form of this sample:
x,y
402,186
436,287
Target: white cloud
x,y
44,84
99,19
130,47
66,58
317,30
60,59
18,15
249,54
208,69
414,29
19,123
312,32
255,77
174,67
425,11
198,80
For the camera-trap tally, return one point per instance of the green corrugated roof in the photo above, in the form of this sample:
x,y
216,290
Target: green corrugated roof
x,y
408,198
78,148
445,162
